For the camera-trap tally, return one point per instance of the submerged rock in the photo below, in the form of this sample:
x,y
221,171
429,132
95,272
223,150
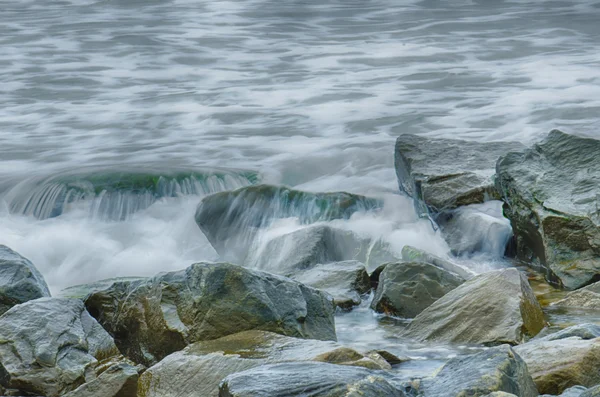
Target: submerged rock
x,y
443,174
230,219
152,319
494,370
50,346
406,289
551,193
199,368
412,254
20,281
307,379
346,281
556,365
492,308
587,297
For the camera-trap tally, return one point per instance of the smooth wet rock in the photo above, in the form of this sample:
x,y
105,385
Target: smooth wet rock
x,y
152,319
50,346
552,195
587,297
412,254
230,219
591,392
406,289
346,281
443,174
492,308
307,379
497,369
116,380
20,281
583,331
476,229
556,365
200,367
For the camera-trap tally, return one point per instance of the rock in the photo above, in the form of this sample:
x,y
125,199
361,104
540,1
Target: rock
x,y
500,394
587,297
345,281
152,319
50,346
82,291
551,193
20,281
575,391
406,289
117,380
476,228
592,392
492,308
556,365
303,379
497,369
199,368
412,254
443,174
583,331
230,219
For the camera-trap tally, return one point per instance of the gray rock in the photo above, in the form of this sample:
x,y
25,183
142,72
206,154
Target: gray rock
x,y
583,331
412,254
50,346
20,281
152,319
346,281
199,368
82,291
443,174
556,365
551,193
406,289
587,297
230,219
592,392
575,391
497,369
307,379
116,380
492,308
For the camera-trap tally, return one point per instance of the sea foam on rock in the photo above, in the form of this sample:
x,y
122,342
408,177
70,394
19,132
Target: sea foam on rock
x,y
551,195
492,308
151,319
20,281
50,346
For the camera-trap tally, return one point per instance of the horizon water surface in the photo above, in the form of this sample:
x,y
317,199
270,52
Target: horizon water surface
x,y
310,94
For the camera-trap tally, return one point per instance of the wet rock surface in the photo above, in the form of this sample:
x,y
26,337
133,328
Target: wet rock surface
x,y
412,254
551,193
406,289
152,319
20,281
586,297
492,308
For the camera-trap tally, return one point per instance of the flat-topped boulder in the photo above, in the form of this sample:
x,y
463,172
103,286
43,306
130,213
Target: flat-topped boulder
x,y
153,318
496,370
406,289
296,379
556,365
443,174
230,219
493,308
50,346
20,281
199,368
551,193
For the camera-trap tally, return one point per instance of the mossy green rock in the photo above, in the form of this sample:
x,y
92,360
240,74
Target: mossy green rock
x,y
492,308
229,219
551,197
154,318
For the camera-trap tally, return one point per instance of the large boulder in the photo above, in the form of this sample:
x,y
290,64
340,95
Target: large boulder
x,y
230,219
151,319
20,281
587,297
50,346
443,174
551,197
497,369
406,289
412,254
492,308
199,368
556,365
296,379
115,379
346,281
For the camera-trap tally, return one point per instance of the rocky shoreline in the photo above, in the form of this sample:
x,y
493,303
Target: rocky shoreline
x,y
263,321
